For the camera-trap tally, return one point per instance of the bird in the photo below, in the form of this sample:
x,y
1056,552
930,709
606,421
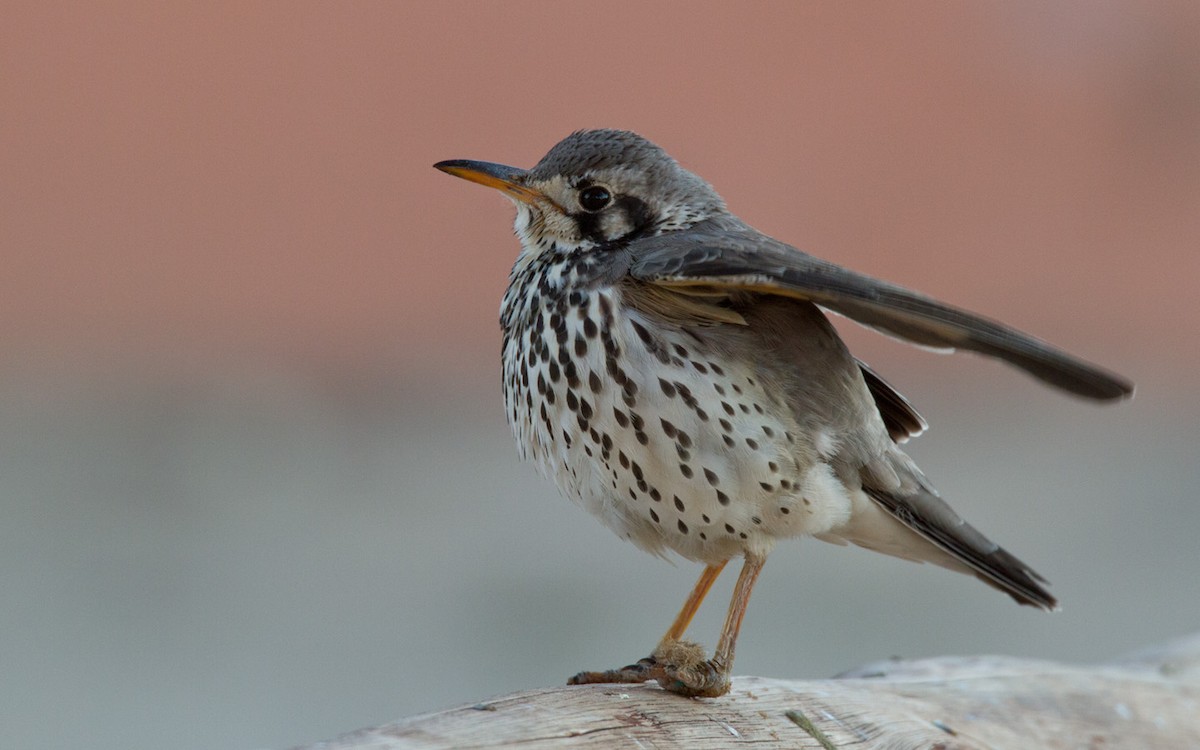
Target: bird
x,y
674,372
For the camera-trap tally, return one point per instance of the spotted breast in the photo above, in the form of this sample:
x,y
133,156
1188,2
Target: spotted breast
x,y
648,425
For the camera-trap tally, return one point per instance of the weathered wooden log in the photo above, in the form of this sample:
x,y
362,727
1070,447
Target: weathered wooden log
x,y
1150,700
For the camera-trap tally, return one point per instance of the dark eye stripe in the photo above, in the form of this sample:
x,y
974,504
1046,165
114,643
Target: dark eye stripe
x,y
625,209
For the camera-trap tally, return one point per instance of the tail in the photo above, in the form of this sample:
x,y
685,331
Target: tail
x,y
928,515
930,531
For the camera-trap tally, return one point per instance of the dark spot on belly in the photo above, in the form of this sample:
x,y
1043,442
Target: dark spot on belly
x,y
668,428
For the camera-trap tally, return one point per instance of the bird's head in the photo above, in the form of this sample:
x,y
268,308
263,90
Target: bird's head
x,y
596,188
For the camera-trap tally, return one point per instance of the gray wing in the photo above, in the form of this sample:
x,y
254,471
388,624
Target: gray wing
x,y
899,417
708,258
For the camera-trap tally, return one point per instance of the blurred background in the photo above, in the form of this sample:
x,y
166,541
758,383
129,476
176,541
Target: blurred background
x,y
256,488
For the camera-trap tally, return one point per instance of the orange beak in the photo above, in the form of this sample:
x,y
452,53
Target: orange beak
x,y
508,180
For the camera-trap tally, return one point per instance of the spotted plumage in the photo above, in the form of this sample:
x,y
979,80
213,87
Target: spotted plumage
x,y
670,369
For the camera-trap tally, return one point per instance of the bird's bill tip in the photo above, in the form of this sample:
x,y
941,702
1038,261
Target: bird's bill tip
x,y
503,178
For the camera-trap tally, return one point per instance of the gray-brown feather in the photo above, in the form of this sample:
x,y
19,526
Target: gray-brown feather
x,y
837,399
627,322
899,416
927,514
731,255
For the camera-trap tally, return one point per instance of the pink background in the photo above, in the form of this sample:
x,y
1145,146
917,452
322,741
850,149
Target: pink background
x,y
256,484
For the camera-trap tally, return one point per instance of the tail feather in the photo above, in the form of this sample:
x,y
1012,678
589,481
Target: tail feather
x,y
930,517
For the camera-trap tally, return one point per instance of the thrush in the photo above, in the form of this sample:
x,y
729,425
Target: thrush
x,y
673,371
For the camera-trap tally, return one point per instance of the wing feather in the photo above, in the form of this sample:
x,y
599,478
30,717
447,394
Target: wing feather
x,y
707,259
899,417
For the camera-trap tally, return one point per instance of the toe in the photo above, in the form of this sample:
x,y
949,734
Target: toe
x,y
643,670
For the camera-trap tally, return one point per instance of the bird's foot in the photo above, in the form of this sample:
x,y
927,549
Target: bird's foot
x,y
682,669
643,670
678,666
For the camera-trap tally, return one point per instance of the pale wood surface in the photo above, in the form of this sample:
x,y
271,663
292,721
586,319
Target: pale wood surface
x,y
1148,701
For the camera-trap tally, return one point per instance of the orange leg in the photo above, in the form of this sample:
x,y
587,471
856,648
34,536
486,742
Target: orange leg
x,y
692,605
680,666
680,669
646,669
737,610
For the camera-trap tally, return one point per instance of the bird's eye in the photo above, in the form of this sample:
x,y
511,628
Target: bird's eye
x,y
594,198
